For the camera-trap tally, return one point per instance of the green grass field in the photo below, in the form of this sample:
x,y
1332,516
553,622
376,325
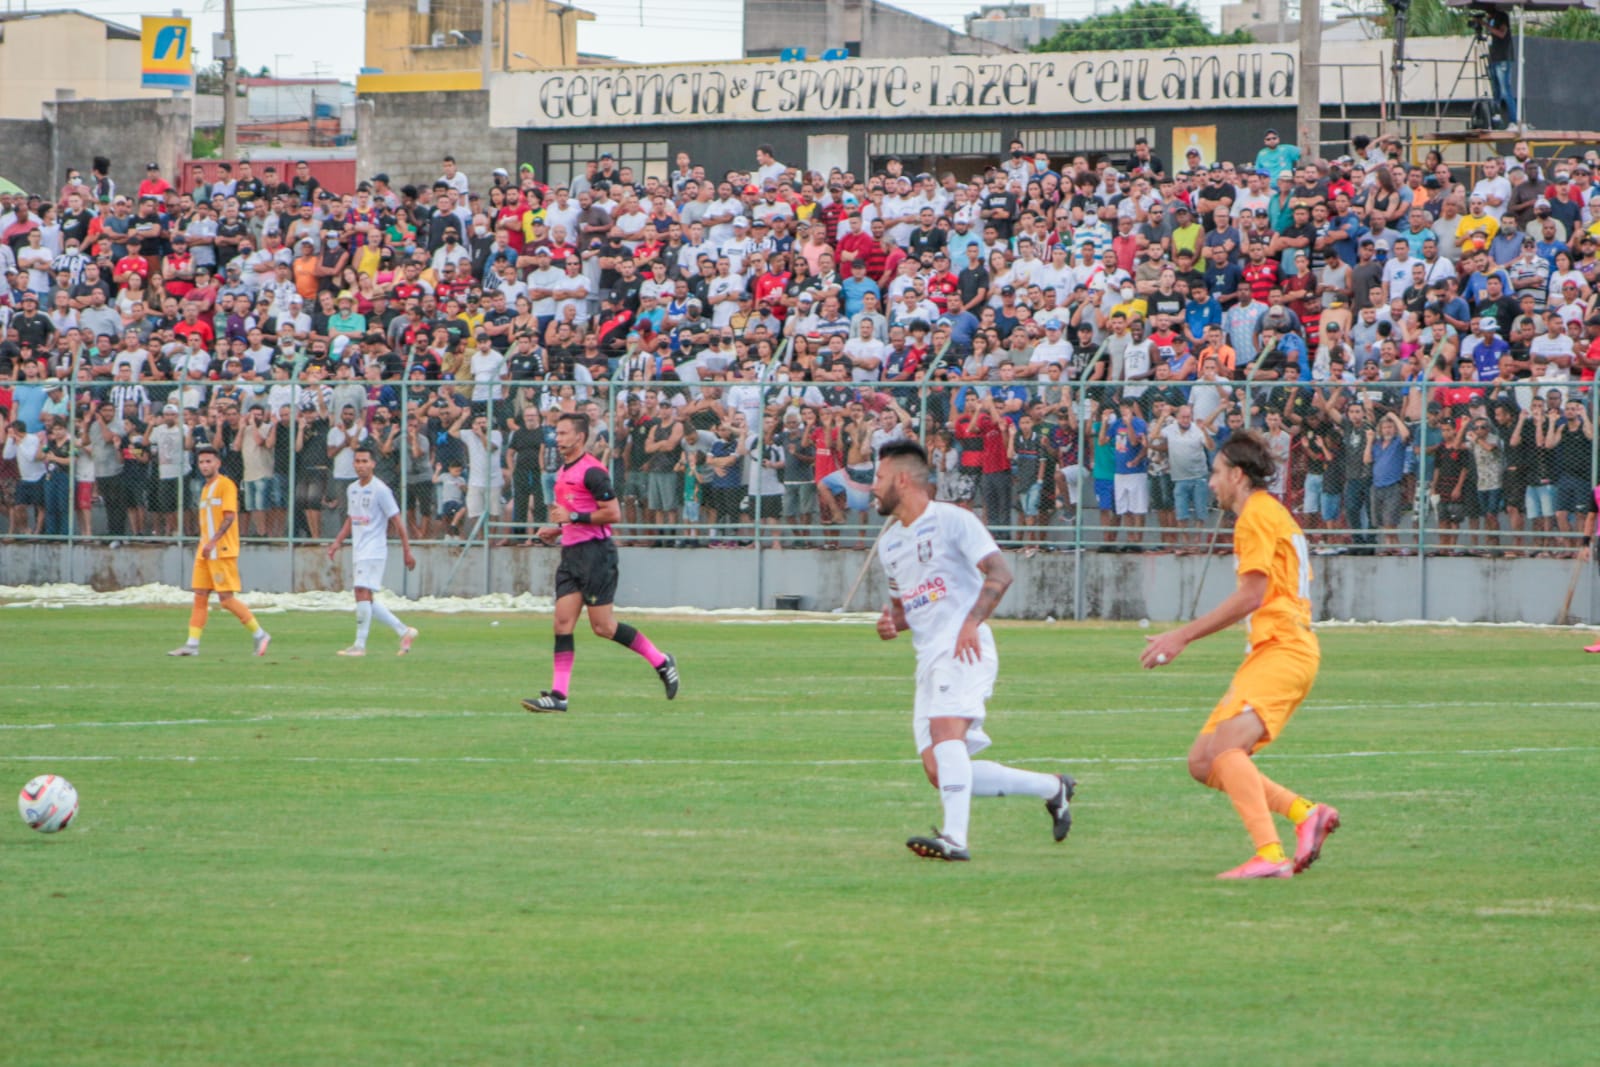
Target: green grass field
x,y
307,860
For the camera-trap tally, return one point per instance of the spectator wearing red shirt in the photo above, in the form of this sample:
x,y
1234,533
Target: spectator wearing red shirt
x,y
177,268
1589,361
129,265
942,284
194,329
884,258
857,244
994,487
154,185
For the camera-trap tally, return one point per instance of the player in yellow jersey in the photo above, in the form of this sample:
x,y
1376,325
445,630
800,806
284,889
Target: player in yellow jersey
x,y
1280,665
216,560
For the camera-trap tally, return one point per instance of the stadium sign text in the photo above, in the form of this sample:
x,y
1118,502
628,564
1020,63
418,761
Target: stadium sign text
x,y
1237,76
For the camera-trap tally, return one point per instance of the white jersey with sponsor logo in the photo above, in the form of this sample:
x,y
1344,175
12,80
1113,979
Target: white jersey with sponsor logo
x,y
371,507
932,569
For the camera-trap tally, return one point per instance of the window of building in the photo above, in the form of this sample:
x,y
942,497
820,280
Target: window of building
x,y
1113,141
965,152
952,143
647,159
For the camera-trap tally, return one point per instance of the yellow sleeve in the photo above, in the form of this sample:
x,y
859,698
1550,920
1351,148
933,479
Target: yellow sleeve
x,y
230,498
1252,543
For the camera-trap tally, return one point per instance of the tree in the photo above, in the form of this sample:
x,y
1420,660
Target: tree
x,y
1571,25
1142,24
1424,18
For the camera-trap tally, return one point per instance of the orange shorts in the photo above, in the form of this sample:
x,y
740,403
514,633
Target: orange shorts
x,y
218,575
1272,681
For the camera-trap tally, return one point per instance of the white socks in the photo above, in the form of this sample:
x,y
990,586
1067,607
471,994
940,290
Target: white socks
x,y
387,617
363,621
955,788
990,779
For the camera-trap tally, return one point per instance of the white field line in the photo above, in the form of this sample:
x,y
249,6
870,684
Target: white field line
x,y
672,762
66,594
829,712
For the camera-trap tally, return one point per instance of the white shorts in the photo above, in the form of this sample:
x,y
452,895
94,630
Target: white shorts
x,y
477,496
1073,476
368,574
1133,494
949,688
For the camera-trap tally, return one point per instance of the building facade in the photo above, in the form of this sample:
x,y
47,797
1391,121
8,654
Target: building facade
x,y
863,29
943,112
35,69
437,45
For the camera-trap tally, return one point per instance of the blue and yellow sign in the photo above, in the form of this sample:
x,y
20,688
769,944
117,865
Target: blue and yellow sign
x,y
164,44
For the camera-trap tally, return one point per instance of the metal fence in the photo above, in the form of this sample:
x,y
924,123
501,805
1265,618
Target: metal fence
x,y
1051,462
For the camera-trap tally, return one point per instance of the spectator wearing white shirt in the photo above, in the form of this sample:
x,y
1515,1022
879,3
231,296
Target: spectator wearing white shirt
x,y
768,169
572,291
488,366
1055,348
1494,188
725,293
452,176
865,352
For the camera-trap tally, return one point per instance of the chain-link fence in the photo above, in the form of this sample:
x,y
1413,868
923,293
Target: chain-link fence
x,y
776,455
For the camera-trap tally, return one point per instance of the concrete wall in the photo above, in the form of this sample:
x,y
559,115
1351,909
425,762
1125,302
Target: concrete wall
x,y
1122,587
25,154
130,133
404,135
36,153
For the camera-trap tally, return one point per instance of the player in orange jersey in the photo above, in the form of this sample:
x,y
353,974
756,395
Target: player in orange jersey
x,y
216,559
1280,665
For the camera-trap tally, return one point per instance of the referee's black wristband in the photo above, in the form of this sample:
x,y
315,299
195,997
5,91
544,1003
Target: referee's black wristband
x,y
581,517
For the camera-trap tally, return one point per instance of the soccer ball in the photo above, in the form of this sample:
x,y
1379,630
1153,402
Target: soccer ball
x,y
48,803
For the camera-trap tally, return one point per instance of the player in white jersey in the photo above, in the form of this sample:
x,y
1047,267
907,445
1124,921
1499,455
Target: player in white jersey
x,y
371,514
946,576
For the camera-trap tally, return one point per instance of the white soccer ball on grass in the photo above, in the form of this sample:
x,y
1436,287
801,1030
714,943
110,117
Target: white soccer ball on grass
x,y
48,803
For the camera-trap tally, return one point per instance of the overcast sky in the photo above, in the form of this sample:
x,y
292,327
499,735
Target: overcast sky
x,y
297,38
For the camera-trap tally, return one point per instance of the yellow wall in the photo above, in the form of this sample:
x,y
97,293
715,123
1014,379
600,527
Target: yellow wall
x,y
398,42
33,64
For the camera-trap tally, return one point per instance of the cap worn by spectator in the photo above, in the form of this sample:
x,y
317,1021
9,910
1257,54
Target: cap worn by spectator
x,y
741,222
1489,323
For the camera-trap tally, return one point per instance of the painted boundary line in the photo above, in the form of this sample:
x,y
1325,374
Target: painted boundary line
x,y
1004,714
675,762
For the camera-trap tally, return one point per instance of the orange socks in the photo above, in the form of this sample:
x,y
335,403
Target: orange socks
x,y
1234,773
1286,802
197,617
235,607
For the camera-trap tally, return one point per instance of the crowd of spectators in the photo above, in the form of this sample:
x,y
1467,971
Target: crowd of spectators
x,y
1416,341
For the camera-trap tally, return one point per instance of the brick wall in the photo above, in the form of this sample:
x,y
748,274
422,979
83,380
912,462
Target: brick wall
x,y
404,135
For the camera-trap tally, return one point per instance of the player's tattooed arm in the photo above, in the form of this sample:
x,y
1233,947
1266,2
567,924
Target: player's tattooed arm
x,y
996,580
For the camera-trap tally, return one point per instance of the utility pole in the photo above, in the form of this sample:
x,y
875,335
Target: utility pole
x,y
1308,118
230,85
487,41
